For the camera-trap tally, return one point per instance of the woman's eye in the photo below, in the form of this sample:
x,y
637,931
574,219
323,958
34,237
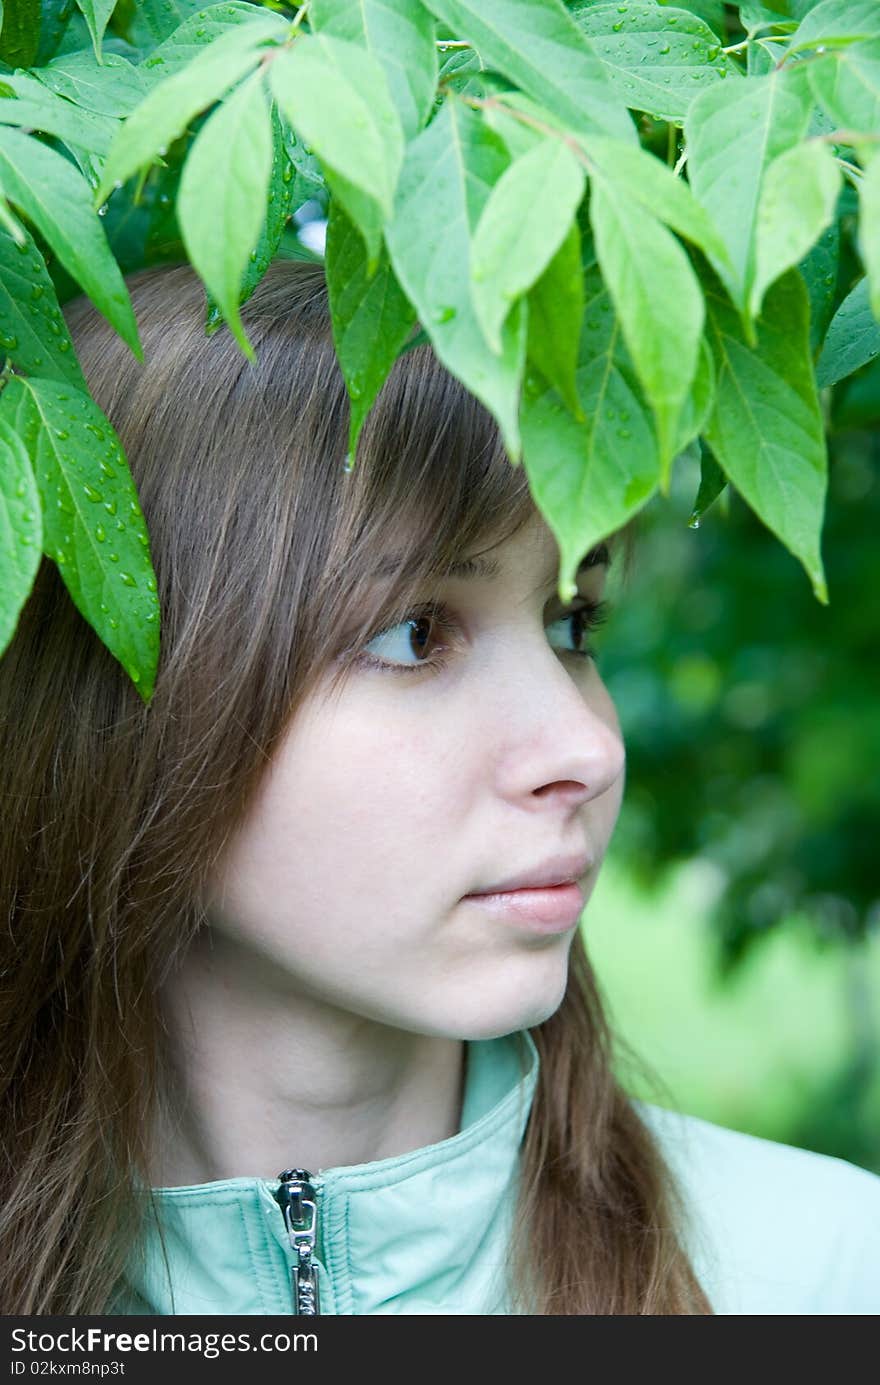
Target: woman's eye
x,y
412,637
423,638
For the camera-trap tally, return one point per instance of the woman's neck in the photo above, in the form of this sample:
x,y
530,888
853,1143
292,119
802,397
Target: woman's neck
x,y
263,1078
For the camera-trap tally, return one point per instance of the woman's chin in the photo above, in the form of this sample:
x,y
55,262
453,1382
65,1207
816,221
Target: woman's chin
x,y
493,1012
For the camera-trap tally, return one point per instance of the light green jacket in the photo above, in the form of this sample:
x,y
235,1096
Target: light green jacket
x,y
772,1229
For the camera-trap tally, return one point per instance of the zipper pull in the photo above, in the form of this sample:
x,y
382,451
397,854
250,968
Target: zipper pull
x,y
296,1198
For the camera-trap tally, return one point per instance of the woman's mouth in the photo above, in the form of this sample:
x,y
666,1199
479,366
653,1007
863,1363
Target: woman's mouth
x,y
548,909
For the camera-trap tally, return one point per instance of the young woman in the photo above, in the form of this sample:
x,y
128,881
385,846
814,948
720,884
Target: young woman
x,y
299,1016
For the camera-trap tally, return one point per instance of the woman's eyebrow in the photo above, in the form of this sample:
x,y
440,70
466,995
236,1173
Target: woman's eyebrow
x,y
488,568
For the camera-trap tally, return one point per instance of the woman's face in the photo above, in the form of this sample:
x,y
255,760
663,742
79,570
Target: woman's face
x,y
415,786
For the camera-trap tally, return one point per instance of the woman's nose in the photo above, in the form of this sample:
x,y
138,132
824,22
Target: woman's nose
x,y
563,737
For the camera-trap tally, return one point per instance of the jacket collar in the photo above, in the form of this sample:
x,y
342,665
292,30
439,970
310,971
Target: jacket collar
x,y
422,1232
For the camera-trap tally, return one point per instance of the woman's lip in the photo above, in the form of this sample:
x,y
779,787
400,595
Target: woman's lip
x,y
550,909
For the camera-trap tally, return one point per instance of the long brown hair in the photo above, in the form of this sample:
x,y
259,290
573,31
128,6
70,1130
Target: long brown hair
x,y
116,812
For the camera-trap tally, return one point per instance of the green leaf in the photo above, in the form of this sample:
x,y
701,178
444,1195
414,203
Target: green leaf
x,y
400,36
202,30
837,21
308,179
555,315
657,60
55,15
589,477
114,88
820,269
656,187
20,34
754,17
93,524
448,174
521,122
50,192
162,17
170,106
766,425
371,317
846,84
335,95
698,404
712,483
539,48
21,531
853,338
869,229
525,220
221,204
282,180
733,133
657,299
37,108
798,200
96,13
33,333
464,68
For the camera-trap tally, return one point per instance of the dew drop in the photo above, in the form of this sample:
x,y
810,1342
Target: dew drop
x,y
118,183
694,521
127,578
100,533
287,175
134,675
9,343
443,314
64,346
348,464
98,432
114,624
104,609
62,433
92,493
151,584
27,516
36,290
664,48
26,541
114,557
617,26
110,506
102,211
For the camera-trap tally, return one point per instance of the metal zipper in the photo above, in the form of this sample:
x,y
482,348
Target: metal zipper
x,y
297,1198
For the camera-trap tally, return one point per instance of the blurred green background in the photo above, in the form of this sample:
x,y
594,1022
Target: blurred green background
x,y
735,928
